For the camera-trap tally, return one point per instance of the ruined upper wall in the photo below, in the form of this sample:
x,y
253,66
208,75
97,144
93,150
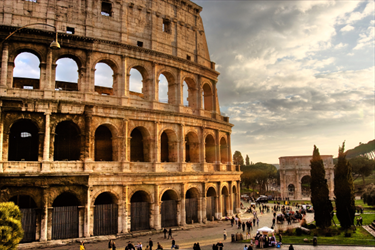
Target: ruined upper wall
x,y
302,162
173,27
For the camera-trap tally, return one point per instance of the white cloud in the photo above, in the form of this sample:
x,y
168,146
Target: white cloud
x,y
347,28
340,46
366,39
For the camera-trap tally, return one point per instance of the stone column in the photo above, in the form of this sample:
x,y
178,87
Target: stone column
x,y
44,215
204,203
183,208
88,122
199,93
47,85
157,205
218,206
124,210
180,211
4,66
1,141
229,147
238,197
231,199
157,156
217,149
179,89
297,189
122,81
87,212
182,147
203,146
47,140
125,146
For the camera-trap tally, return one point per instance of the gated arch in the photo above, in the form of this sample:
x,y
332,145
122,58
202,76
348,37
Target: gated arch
x,y
28,209
65,216
225,198
210,203
140,210
169,208
23,141
105,214
191,205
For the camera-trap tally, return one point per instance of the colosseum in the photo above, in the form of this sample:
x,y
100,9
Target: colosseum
x,y
85,158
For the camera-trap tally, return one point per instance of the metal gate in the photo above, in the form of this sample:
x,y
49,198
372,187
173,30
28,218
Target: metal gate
x,y
65,222
224,206
169,213
191,208
28,224
210,207
105,219
140,218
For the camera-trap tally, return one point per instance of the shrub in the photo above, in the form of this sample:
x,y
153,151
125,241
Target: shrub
x,y
10,226
298,231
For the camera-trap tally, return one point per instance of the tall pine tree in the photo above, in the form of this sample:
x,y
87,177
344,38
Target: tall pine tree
x,y
247,160
344,190
319,191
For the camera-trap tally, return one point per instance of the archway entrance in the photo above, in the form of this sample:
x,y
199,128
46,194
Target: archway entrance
x,y
210,204
291,190
191,206
23,141
105,214
140,211
67,142
28,209
65,217
224,194
169,209
305,186
103,144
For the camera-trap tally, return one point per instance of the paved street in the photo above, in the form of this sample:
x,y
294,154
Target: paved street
x,y
206,236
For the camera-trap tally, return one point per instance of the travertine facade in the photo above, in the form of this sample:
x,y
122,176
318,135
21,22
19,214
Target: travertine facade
x,y
83,160
295,176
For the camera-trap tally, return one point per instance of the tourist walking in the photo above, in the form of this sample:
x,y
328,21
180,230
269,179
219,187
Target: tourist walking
x,y
173,244
110,244
225,234
114,245
220,245
150,243
82,246
170,233
165,231
243,227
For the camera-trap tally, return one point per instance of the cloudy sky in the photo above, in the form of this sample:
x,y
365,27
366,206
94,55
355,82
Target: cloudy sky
x,y
293,73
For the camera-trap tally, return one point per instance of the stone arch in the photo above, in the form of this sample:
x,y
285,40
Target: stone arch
x,y
63,84
207,92
168,146
211,190
305,186
171,87
210,148
140,148
169,199
67,142
140,210
191,205
192,92
225,200
23,141
146,85
77,59
25,79
106,89
211,208
36,51
192,147
291,190
94,195
223,151
105,145
106,214
175,193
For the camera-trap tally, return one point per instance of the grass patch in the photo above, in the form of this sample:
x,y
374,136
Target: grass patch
x,y
367,219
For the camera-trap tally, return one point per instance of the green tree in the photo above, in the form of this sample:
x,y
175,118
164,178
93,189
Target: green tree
x,y
10,226
237,158
369,195
319,191
247,160
344,190
362,167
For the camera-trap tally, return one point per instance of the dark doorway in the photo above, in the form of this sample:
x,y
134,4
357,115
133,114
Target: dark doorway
x,y
23,141
136,146
103,144
164,147
210,203
67,142
169,209
210,149
224,194
191,206
105,215
65,217
140,211
28,209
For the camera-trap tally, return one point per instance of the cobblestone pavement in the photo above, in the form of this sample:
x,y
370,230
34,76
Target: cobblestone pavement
x,y
207,235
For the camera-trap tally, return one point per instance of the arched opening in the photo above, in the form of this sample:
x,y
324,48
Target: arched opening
x,y
168,147
163,89
67,142
23,141
66,75
224,196
185,94
223,151
210,149
136,82
210,204
27,207
191,97
305,186
65,216
105,214
103,144
140,211
139,145
26,73
207,97
169,209
104,79
234,195
191,205
191,148
291,190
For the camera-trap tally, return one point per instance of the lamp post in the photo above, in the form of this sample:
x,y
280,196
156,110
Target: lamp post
x,y
54,45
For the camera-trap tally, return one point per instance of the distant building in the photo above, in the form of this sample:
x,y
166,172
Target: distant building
x,y
295,176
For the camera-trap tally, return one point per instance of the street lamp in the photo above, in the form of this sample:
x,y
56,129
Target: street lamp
x,y
54,45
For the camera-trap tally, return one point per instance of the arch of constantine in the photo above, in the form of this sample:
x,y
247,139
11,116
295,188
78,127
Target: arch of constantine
x,y
295,176
89,158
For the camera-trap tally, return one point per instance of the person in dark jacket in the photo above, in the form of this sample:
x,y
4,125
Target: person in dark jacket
x,y
220,245
110,244
291,247
170,233
173,243
165,231
150,243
